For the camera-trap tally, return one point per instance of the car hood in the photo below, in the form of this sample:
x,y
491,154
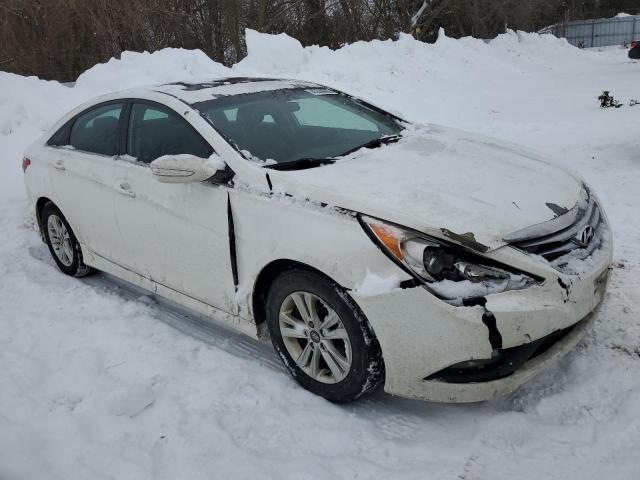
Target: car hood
x,y
470,188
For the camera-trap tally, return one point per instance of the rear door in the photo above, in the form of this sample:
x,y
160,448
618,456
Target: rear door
x,y
83,161
176,234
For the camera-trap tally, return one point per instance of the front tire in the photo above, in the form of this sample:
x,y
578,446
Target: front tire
x,y
322,337
63,244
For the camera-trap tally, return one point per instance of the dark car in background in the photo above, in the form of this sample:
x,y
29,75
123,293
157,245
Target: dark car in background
x,y
634,50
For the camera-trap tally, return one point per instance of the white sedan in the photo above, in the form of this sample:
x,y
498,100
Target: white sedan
x,y
447,266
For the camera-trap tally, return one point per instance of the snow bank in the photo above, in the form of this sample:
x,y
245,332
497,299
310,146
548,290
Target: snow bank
x,y
134,69
395,72
31,102
95,386
270,53
379,69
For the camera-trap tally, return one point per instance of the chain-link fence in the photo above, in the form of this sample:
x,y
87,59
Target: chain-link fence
x,y
601,32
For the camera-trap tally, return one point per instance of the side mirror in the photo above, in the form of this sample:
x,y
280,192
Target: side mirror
x,y
182,169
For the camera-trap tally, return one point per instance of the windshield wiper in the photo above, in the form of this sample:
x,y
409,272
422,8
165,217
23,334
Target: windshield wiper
x,y
376,142
301,164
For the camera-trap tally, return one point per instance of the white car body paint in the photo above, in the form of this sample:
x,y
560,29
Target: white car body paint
x,y
182,251
174,239
74,175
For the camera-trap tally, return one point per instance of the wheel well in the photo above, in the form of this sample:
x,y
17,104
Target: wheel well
x,y
266,277
42,201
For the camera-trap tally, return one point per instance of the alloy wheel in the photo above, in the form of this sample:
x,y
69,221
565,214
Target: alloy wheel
x,y
315,337
60,240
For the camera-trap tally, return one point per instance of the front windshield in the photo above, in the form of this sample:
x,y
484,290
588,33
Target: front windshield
x,y
293,124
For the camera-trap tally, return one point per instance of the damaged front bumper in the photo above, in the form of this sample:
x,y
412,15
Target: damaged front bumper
x,y
439,352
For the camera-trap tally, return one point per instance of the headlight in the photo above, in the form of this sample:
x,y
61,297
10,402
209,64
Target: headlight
x,y
450,271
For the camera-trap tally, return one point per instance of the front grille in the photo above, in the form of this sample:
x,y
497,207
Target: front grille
x,y
579,228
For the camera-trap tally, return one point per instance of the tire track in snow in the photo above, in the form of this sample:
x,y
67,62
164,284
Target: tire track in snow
x,y
184,320
395,417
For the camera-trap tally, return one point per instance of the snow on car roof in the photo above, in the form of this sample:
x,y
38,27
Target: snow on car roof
x,y
194,92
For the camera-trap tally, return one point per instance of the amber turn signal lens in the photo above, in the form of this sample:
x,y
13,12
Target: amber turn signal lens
x,y
388,239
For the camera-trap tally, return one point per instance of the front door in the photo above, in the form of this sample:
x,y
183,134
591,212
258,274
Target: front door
x,y
177,234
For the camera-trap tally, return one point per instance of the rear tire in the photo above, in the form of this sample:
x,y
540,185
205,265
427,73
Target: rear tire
x,y
322,337
63,244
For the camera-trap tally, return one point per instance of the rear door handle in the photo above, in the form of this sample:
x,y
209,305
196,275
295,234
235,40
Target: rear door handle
x,y
59,164
125,189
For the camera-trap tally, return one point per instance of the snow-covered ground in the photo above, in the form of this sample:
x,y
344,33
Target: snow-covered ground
x,y
94,384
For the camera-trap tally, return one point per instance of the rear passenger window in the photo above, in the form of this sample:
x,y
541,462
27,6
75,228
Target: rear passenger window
x,y
96,131
61,137
155,131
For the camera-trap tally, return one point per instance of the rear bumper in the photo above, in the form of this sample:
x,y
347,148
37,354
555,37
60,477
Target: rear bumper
x,y
421,337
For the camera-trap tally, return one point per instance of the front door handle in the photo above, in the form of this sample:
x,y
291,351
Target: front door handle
x,y
59,164
125,189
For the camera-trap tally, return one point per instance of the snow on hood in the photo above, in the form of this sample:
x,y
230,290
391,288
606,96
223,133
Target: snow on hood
x,y
436,179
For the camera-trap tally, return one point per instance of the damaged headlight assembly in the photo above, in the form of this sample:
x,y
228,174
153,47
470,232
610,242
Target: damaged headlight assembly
x,y
452,273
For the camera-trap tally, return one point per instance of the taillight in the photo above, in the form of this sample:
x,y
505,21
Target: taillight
x,y
634,44
25,164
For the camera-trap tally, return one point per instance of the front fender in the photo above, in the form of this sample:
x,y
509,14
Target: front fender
x,y
275,227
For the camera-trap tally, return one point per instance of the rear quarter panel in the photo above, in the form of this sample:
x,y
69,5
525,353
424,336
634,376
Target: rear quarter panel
x,y
37,178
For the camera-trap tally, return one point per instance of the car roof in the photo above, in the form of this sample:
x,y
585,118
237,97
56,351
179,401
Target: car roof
x,y
199,91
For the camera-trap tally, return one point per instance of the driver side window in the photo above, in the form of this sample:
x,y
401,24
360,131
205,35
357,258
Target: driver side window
x,y
155,131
